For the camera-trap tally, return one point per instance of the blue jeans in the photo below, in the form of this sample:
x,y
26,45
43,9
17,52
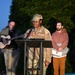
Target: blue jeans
x,y
11,59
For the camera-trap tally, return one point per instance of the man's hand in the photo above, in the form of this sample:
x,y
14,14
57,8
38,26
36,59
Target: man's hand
x,y
32,35
47,63
60,49
57,51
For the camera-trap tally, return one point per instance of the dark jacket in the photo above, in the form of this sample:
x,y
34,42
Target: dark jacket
x,y
12,34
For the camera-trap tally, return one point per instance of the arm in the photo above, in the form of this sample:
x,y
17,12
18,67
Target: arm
x,y
65,42
48,50
54,42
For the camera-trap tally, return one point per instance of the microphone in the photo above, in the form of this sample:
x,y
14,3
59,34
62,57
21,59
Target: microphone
x,y
31,30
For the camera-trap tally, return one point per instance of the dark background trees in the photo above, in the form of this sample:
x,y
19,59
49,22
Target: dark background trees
x,y
21,11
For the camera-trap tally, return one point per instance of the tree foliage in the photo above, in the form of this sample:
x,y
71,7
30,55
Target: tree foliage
x,y
23,10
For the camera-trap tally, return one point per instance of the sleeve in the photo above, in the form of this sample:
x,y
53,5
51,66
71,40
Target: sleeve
x,y
48,50
26,33
54,43
5,31
65,42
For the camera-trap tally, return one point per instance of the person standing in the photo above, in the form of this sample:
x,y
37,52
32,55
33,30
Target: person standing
x,y
60,43
39,31
11,51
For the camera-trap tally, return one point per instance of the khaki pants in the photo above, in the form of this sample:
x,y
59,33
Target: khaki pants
x,y
11,59
36,64
59,63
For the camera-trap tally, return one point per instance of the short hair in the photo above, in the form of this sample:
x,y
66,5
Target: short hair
x,y
60,22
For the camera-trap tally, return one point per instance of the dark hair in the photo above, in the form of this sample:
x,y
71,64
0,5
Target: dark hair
x,y
60,22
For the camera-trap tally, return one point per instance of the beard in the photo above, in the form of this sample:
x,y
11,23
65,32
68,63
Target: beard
x,y
58,29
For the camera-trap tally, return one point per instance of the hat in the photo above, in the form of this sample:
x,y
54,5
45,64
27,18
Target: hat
x,y
37,17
